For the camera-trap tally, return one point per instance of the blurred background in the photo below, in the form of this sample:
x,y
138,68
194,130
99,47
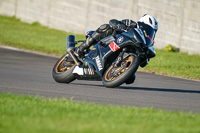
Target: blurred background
x,y
178,20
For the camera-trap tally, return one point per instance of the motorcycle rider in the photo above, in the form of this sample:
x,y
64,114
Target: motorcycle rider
x,y
146,23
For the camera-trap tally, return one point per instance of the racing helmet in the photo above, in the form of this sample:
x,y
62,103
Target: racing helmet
x,y
149,26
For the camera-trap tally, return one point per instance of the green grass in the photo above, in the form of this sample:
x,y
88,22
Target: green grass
x,y
39,38
175,64
33,36
31,114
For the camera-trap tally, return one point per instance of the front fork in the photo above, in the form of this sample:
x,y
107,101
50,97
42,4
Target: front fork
x,y
121,56
71,47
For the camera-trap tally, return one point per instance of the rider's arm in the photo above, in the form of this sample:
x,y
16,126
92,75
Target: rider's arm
x,y
117,25
124,24
129,23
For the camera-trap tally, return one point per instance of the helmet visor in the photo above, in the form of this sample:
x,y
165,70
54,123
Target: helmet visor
x,y
149,33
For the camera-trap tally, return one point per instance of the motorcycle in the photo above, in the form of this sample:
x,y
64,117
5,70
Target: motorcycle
x,y
114,60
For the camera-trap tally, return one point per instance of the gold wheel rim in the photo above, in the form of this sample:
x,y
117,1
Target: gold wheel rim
x,y
64,65
128,61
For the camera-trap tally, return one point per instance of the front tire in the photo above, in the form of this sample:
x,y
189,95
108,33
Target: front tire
x,y
62,70
114,77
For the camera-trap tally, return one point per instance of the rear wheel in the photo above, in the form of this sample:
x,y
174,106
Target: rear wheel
x,y
115,76
62,70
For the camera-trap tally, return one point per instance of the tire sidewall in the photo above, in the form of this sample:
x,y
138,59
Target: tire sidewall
x,y
124,76
64,77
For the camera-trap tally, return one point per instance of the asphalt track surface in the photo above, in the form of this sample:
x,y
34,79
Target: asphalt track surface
x,y
28,73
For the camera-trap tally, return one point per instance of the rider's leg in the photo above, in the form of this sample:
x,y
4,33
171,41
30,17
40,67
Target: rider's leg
x,y
103,31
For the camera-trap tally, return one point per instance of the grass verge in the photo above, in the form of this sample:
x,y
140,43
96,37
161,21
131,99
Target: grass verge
x,y
175,64
33,36
30,114
39,38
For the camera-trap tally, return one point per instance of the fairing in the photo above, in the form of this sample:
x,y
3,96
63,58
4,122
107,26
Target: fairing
x,y
95,62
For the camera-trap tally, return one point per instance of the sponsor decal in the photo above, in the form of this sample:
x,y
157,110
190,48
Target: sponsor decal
x,y
92,72
93,48
98,63
86,63
88,70
120,39
113,46
85,71
146,35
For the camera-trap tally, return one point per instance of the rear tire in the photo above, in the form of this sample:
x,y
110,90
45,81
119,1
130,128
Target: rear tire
x,y
131,66
62,70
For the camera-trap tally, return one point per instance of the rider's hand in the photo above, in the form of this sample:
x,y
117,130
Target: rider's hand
x,y
117,25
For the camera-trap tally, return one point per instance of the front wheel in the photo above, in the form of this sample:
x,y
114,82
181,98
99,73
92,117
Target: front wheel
x,y
62,70
115,76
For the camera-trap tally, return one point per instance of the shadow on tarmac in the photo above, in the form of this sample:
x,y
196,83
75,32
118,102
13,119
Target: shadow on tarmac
x,y
144,88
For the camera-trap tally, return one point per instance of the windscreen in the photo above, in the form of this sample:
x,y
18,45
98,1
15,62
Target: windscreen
x,y
148,31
